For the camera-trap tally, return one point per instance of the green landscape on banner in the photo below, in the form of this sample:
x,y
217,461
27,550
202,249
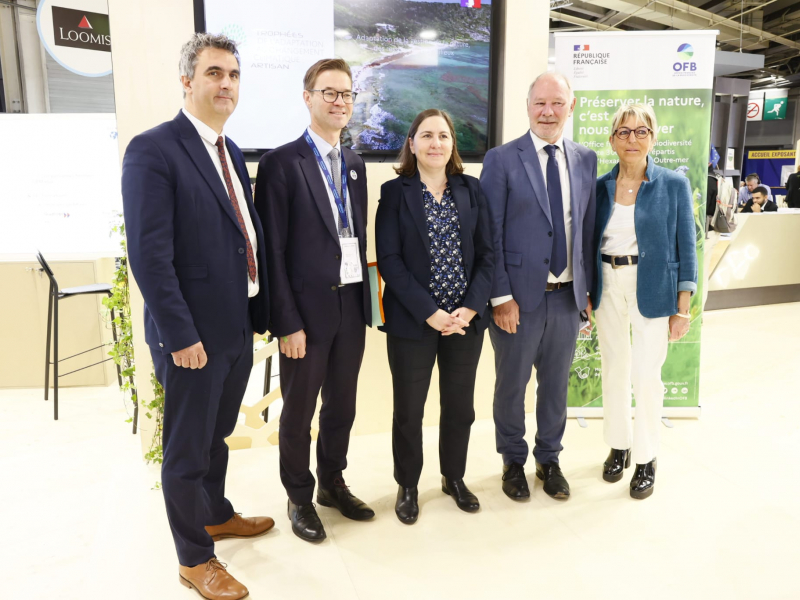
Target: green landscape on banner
x,y
684,118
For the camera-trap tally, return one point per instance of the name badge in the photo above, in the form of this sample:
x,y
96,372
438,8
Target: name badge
x,y
353,174
351,261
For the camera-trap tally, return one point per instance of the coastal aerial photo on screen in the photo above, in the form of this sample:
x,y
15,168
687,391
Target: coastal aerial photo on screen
x,y
410,55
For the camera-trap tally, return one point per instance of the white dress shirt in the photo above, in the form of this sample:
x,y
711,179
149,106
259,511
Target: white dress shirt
x,y
324,149
209,137
563,173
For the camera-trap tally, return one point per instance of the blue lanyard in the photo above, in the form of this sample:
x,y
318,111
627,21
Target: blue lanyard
x,y
341,201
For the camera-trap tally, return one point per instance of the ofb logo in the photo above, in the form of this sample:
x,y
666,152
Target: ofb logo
x,y
81,29
686,51
685,66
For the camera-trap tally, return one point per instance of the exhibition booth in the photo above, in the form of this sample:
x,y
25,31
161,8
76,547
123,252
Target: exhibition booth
x,y
90,75
72,213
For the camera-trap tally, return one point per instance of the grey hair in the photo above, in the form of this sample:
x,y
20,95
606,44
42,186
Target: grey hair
x,y
554,74
199,42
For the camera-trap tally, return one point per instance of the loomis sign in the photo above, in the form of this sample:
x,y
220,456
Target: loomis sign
x,y
76,34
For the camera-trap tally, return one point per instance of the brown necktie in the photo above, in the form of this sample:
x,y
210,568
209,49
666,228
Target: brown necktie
x,y
251,259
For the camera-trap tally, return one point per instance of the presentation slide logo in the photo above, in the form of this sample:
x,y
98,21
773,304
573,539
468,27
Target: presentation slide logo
x,y
471,3
81,29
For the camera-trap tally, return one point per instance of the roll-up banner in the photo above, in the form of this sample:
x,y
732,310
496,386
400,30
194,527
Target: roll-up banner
x,y
672,71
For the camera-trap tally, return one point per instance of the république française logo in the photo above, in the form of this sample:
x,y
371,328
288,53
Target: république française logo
x,y
582,55
81,29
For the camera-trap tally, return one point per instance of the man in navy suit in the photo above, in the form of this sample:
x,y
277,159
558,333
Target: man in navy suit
x,y
541,195
196,248
311,195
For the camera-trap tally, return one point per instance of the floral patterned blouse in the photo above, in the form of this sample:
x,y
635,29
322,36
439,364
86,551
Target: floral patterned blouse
x,y
448,284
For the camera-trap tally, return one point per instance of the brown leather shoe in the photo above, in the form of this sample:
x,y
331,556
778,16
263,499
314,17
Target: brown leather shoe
x,y
240,527
212,581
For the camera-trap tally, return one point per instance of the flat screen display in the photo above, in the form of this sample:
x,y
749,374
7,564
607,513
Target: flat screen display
x,y
405,55
412,55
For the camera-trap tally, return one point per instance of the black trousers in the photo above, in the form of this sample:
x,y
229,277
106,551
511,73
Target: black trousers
x,y
200,410
411,362
331,364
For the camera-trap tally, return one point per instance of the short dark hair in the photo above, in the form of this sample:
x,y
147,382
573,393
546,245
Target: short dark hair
x,y
190,51
326,64
761,190
753,176
408,160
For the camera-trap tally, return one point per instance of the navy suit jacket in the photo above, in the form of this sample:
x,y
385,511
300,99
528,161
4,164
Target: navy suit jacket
x,y
404,253
522,228
303,253
185,246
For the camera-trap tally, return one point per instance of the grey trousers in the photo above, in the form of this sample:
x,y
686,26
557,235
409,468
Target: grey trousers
x,y
545,339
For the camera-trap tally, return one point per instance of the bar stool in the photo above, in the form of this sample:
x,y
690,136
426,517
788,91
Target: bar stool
x,y
55,296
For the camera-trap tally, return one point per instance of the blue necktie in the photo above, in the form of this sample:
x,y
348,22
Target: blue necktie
x,y
558,256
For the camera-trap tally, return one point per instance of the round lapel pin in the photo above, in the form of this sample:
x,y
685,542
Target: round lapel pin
x,y
353,174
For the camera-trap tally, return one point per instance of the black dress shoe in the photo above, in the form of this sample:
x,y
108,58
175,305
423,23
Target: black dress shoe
x,y
616,463
466,500
555,484
339,497
407,506
305,522
515,485
644,480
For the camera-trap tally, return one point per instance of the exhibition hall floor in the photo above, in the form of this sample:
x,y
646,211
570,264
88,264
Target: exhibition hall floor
x,y
83,522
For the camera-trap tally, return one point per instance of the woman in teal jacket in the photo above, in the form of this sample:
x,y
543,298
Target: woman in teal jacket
x,y
645,248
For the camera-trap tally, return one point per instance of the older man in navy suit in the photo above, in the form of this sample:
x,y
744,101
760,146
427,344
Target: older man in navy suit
x,y
196,248
541,195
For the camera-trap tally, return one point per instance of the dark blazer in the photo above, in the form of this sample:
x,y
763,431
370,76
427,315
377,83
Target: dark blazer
x,y
769,206
793,190
404,253
666,234
519,209
185,246
304,254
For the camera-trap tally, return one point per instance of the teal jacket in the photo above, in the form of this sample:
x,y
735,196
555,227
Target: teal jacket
x,y
665,232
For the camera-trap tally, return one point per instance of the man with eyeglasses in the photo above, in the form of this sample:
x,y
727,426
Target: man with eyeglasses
x,y
540,190
312,197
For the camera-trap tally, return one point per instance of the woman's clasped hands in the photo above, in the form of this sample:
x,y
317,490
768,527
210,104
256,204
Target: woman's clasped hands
x,y
450,323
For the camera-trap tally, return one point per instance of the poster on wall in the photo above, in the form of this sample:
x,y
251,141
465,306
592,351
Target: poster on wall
x,y
675,77
67,199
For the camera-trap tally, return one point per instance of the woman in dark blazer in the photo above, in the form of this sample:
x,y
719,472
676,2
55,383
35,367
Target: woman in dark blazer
x,y
646,253
434,253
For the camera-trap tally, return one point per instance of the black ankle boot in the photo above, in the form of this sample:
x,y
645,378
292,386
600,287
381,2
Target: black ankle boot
x,y
616,463
644,480
407,506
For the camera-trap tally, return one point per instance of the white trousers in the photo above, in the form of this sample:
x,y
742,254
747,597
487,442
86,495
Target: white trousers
x,y
624,364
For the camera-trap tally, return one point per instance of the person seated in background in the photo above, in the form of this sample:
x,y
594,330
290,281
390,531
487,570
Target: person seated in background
x,y
752,181
760,202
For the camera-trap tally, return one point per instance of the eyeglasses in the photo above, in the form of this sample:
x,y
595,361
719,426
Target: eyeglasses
x,y
330,96
639,132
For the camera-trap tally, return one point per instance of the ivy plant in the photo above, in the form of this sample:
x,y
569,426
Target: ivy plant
x,y
122,350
